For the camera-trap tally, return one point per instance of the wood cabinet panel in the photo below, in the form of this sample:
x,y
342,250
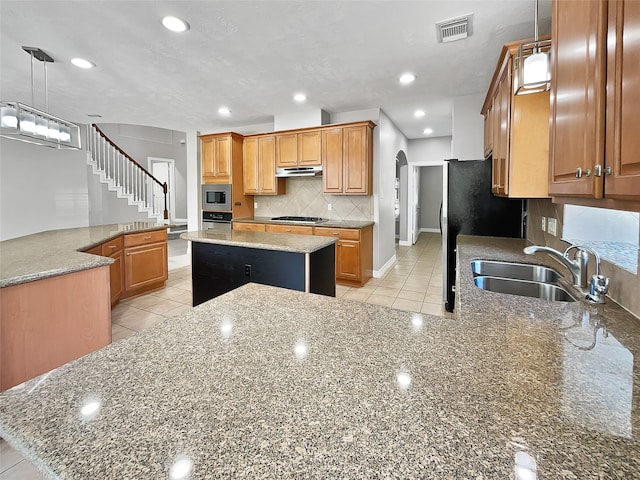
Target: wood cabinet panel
x,y
332,144
143,238
249,227
348,260
267,169
216,158
287,150
116,277
97,250
250,165
310,148
294,229
357,160
207,151
488,131
622,155
578,77
341,233
354,253
145,266
112,246
259,165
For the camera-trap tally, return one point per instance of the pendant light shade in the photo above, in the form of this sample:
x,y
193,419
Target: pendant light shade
x,y
28,124
532,69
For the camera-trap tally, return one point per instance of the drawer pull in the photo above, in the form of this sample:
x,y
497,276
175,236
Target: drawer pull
x,y
128,254
146,238
113,246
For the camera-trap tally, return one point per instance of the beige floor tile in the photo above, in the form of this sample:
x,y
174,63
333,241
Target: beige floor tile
x,y
386,291
433,309
373,281
409,295
415,287
169,293
22,471
409,305
381,300
341,290
432,298
366,288
185,299
177,311
392,283
163,305
8,456
434,290
141,301
140,322
123,310
356,295
184,285
118,332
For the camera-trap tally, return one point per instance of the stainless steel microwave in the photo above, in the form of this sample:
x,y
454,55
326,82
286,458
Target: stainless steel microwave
x,y
216,197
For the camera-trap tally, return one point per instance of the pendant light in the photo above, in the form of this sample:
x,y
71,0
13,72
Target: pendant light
x,y
532,69
22,122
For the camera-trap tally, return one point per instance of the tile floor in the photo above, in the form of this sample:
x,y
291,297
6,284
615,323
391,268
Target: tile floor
x,y
413,283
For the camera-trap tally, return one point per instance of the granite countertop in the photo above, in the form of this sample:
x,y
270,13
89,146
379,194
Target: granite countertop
x,y
262,240
57,252
328,223
264,382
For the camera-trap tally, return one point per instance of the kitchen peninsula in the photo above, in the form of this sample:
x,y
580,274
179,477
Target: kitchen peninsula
x,y
222,260
57,288
265,382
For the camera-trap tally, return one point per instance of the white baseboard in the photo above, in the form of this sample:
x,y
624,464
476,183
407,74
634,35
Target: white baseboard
x,y
430,230
385,267
405,243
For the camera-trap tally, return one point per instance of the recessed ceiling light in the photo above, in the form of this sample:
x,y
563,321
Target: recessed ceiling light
x,y
299,97
418,113
407,78
94,115
428,131
175,24
82,63
224,111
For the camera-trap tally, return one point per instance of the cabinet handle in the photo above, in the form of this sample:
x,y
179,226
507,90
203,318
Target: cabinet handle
x,y
579,172
112,246
608,171
146,238
128,254
597,170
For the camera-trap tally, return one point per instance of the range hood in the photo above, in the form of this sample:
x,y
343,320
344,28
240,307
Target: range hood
x,y
299,171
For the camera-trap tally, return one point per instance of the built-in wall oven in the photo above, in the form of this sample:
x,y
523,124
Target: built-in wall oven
x,y
216,221
216,197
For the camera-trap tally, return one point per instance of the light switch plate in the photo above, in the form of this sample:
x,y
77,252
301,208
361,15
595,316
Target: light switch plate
x,y
328,206
544,224
255,204
552,226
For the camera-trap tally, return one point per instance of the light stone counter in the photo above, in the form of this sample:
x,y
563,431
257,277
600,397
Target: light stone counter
x,y
262,240
265,382
57,252
327,223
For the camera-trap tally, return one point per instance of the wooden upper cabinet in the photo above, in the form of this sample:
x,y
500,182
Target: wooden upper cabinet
x,y
622,154
259,166
216,158
578,68
516,133
332,155
287,150
299,149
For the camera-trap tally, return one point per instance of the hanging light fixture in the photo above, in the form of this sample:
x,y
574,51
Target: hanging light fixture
x,y
22,122
531,66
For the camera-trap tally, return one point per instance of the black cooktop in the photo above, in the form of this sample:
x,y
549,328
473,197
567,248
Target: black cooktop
x,y
299,219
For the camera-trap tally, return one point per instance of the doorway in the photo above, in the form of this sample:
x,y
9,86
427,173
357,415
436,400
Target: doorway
x,y
164,170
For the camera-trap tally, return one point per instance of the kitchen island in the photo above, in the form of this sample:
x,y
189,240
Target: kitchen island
x,y
222,260
265,382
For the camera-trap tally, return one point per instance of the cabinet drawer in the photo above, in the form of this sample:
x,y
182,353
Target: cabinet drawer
x,y
112,246
145,237
295,229
249,227
97,250
341,233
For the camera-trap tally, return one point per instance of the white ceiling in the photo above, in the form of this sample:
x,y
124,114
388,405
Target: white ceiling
x,y
252,56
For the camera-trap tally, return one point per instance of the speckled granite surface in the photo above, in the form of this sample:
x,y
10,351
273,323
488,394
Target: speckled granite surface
x,y
267,241
56,252
271,383
328,223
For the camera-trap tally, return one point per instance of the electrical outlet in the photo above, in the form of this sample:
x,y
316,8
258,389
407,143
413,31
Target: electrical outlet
x,y
247,270
552,226
544,224
328,206
255,204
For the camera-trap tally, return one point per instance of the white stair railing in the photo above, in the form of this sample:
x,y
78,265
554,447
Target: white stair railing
x,y
127,175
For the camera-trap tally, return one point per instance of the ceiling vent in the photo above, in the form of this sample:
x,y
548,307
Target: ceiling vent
x,y
455,28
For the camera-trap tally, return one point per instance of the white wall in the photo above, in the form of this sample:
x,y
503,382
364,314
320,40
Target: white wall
x,y
301,119
468,128
41,189
430,197
429,151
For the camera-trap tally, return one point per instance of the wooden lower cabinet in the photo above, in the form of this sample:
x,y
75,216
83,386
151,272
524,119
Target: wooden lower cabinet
x,y
354,253
113,249
249,227
145,262
294,229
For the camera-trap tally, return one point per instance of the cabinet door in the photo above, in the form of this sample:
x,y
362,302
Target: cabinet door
x,y
145,265
222,163
267,168
355,157
348,260
249,227
293,229
250,163
116,277
495,133
488,132
310,148
504,132
623,93
208,155
332,145
578,61
287,150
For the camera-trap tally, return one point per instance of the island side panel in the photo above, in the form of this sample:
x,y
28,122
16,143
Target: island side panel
x,y
218,269
322,271
49,322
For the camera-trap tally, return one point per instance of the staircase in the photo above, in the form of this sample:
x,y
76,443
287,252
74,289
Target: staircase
x,y
126,177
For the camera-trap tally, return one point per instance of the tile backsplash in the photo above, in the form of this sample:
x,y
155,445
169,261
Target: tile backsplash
x,y
304,197
625,284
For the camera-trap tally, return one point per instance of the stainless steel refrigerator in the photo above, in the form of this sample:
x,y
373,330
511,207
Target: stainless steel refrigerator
x,y
469,208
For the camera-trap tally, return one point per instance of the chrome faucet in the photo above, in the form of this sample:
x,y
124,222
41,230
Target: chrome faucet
x,y
599,284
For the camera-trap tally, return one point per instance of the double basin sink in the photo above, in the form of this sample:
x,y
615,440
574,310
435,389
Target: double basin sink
x,y
519,279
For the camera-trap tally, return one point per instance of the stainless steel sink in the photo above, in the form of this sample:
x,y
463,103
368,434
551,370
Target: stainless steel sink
x,y
545,291
517,271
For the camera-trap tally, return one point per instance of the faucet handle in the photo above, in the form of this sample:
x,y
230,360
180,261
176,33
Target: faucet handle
x,y
598,287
